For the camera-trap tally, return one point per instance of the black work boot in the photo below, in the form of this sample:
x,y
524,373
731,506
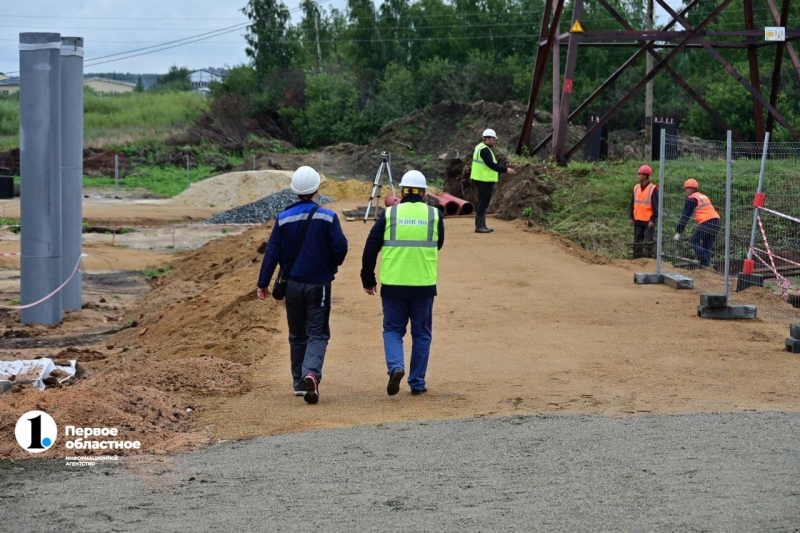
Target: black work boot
x,y
480,224
483,221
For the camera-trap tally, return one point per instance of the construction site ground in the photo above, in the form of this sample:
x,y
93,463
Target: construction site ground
x,y
525,323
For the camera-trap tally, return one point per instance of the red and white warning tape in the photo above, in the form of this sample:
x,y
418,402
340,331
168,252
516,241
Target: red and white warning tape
x,y
10,254
778,213
784,283
37,302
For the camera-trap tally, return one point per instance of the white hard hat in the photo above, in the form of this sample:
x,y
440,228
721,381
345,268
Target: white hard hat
x,y
305,180
489,133
413,179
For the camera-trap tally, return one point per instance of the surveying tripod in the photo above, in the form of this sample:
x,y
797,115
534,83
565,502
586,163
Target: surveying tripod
x,y
377,185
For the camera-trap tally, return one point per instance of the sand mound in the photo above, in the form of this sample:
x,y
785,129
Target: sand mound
x,y
234,189
351,189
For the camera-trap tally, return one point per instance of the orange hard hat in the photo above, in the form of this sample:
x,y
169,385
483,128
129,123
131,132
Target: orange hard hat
x,y
691,183
645,169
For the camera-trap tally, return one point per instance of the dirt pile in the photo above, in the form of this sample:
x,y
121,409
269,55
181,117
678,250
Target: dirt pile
x,y
193,337
351,189
234,188
524,195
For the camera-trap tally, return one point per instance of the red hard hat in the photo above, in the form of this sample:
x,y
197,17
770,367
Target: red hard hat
x,y
691,183
645,169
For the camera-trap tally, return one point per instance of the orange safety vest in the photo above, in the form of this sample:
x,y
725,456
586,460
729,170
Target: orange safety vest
x,y
704,210
642,202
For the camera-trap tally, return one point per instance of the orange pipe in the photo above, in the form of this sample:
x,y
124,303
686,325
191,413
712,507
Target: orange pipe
x,y
464,207
448,206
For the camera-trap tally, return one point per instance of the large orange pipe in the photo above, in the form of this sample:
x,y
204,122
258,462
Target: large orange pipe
x,y
450,208
464,207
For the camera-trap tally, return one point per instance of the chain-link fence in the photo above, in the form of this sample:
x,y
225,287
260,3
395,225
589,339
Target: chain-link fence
x,y
753,256
685,248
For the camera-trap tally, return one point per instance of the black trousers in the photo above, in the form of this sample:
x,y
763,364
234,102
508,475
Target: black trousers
x,y
485,189
308,311
642,239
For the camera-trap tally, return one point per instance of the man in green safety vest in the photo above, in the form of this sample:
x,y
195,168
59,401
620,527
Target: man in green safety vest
x,y
485,173
408,236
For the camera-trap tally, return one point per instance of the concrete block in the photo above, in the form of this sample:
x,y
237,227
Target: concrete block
x,y
678,281
743,281
794,330
646,278
713,300
793,345
729,312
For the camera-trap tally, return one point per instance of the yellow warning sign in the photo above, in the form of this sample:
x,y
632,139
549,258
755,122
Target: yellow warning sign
x,y
576,27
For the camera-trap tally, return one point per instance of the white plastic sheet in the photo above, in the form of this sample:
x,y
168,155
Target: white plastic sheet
x,y
34,371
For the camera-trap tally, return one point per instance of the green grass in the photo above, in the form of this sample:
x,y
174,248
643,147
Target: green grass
x,y
167,181
127,116
10,222
153,273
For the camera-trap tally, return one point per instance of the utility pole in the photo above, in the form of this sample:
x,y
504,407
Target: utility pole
x,y
316,30
648,95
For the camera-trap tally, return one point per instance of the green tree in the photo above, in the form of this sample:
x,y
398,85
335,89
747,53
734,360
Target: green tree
x,y
269,43
139,85
332,113
177,79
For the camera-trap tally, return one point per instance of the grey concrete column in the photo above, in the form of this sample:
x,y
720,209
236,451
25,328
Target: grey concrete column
x,y
40,173
71,167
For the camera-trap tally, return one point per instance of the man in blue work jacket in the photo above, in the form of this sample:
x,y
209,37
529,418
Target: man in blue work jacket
x,y
308,290
408,236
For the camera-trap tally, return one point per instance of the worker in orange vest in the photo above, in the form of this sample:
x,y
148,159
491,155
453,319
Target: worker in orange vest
x,y
643,213
707,218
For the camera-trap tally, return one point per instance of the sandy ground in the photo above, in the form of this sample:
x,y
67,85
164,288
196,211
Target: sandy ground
x,y
525,323
104,210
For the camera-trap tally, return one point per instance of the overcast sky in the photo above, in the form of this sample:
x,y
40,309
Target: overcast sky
x,y
114,26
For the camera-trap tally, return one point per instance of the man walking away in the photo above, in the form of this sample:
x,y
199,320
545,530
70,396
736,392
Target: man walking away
x,y
408,236
485,173
322,249
643,213
708,222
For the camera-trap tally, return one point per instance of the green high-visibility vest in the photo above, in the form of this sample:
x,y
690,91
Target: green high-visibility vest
x,y
480,172
410,253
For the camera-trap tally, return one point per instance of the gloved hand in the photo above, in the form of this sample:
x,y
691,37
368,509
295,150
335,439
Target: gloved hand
x,y
677,237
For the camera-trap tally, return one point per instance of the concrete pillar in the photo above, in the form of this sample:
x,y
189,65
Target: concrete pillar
x,y
40,173
71,167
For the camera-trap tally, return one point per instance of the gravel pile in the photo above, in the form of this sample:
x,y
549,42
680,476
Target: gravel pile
x,y
261,210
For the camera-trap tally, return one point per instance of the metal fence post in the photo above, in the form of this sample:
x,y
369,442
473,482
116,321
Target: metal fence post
x,y
728,187
759,190
188,182
116,175
661,169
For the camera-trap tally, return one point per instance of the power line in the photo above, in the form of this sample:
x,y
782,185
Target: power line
x,y
82,28
115,18
94,64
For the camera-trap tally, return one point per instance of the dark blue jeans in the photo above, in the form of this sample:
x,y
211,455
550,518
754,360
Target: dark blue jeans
x,y
396,314
703,239
308,311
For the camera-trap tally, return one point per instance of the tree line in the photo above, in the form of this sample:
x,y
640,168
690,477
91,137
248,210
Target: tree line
x,y
340,75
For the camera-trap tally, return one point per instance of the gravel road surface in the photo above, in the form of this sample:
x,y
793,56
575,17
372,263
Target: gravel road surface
x,y
731,472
